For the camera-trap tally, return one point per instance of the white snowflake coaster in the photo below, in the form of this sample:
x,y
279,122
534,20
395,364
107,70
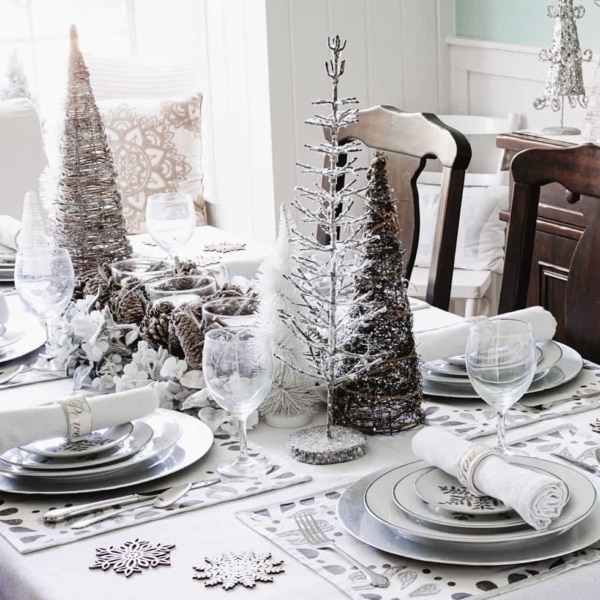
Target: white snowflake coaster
x,y
224,247
132,557
231,568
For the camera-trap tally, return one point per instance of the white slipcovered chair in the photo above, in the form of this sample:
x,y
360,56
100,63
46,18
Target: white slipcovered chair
x,y
479,256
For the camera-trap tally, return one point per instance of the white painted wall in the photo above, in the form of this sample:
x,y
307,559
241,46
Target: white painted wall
x,y
263,64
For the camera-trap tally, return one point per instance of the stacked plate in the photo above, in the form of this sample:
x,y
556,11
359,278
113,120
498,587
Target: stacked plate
x,y
420,512
127,454
556,364
7,266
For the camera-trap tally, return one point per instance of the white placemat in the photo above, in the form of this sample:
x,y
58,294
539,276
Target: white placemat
x,y
21,521
474,418
412,578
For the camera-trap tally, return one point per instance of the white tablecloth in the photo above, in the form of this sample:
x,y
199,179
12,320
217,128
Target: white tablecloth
x,y
62,573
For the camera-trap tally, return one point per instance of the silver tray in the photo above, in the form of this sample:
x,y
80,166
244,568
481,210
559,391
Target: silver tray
x,y
566,369
195,441
357,521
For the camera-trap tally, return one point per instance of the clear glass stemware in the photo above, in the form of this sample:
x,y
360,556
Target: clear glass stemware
x,y
170,219
237,363
44,280
501,361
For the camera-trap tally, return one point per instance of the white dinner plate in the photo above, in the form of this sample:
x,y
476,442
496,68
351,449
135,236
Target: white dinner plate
x,y
166,432
34,336
379,502
140,436
357,521
195,441
566,369
97,441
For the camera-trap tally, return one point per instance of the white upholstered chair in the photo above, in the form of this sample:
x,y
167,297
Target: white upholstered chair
x,y
480,246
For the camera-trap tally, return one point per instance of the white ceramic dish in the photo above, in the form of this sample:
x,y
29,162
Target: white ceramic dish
x,y
97,441
33,337
380,504
166,432
140,436
566,369
195,441
357,521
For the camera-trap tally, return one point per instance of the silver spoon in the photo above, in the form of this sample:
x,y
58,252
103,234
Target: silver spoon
x,y
167,498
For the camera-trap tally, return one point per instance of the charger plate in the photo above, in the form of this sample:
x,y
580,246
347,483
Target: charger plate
x,y
359,523
140,436
379,502
195,441
565,370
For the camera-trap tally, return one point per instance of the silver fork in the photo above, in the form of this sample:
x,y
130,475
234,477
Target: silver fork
x,y
316,537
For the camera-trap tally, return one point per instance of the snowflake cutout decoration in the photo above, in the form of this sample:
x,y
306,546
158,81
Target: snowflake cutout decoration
x,y
231,568
224,247
132,557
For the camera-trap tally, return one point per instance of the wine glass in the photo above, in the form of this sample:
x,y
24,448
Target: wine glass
x,y
501,361
44,280
237,363
170,219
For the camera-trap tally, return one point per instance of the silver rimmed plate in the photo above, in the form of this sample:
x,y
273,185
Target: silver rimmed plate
x,y
379,503
357,521
566,369
432,516
195,441
97,441
437,488
140,436
166,432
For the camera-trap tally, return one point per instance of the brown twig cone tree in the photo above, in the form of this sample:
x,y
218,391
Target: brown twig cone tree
x,y
386,398
89,217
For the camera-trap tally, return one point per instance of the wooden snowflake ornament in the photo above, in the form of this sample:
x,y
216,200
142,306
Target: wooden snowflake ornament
x,y
231,568
132,557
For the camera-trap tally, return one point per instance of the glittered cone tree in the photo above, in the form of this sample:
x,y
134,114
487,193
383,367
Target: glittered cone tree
x,y
565,76
89,216
387,397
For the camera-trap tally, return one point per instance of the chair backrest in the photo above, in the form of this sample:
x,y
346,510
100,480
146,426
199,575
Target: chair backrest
x,y
486,165
578,170
410,139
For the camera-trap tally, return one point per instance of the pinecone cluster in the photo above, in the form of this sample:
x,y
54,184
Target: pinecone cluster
x,y
98,282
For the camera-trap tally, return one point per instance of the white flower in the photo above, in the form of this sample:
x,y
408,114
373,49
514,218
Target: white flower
x,y
173,368
95,351
85,325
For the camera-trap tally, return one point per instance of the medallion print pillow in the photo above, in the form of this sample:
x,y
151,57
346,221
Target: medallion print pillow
x,y
156,147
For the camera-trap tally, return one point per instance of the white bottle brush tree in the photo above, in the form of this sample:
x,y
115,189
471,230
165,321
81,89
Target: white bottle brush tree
x,y
322,274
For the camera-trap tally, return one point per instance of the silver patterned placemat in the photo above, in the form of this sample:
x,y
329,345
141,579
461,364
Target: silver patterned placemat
x,y
411,578
474,418
21,521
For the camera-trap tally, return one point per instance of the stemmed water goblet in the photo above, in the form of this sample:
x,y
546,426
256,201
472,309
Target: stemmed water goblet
x,y
44,280
170,220
237,363
501,361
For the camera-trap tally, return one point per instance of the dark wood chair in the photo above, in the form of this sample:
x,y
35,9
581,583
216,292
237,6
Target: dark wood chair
x,y
578,170
409,140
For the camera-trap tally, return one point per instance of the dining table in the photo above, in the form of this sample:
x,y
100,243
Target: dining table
x,y
259,521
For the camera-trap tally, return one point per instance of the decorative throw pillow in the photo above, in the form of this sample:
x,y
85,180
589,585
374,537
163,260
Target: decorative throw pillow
x,y
480,241
156,147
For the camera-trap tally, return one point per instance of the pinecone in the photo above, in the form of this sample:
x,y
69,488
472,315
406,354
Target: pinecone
x,y
229,290
128,305
174,346
98,283
190,332
155,326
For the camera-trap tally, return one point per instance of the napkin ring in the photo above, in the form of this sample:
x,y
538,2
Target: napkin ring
x,y
467,464
79,417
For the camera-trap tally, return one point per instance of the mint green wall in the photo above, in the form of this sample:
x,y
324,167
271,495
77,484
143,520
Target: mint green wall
x,y
522,22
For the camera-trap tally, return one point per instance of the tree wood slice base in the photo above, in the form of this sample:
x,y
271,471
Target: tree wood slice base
x,y
313,447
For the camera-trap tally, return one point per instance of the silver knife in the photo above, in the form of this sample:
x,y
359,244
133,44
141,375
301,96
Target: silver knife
x,y
56,515
577,463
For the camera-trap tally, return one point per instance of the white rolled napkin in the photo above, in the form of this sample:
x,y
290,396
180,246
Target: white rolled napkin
x,y
10,228
26,425
452,340
537,497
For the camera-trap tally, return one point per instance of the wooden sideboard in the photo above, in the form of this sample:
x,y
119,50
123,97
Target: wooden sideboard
x,y
559,227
